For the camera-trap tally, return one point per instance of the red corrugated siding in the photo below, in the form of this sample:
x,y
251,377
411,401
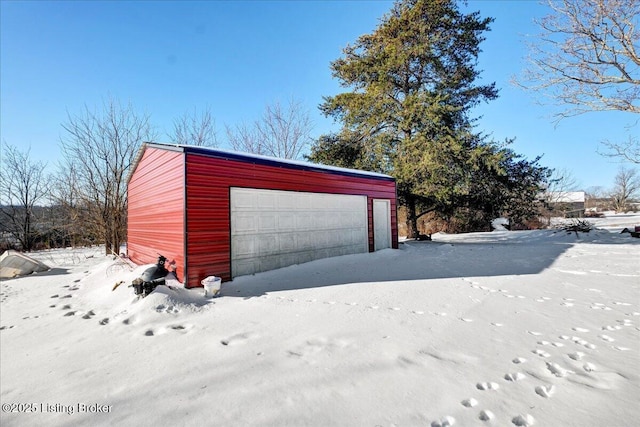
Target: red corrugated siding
x,y
208,181
156,208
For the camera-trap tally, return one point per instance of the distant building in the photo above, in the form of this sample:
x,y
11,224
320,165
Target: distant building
x,y
570,204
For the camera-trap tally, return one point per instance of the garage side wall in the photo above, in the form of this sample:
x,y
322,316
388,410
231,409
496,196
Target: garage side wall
x,y
208,184
156,209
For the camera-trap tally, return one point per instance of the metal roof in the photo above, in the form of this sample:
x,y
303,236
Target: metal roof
x,y
265,160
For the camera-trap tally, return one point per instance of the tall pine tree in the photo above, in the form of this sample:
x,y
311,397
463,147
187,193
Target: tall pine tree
x,y
412,84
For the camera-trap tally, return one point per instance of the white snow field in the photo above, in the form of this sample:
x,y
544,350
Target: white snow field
x,y
484,329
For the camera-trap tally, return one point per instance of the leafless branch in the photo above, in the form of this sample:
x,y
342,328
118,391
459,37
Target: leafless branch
x,y
587,56
280,132
195,129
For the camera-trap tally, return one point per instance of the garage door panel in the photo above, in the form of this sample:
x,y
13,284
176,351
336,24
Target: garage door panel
x,y
267,245
243,200
266,202
286,222
286,201
267,223
272,229
245,223
243,247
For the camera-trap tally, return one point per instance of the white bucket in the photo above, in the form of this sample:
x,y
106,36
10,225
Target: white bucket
x,y
211,286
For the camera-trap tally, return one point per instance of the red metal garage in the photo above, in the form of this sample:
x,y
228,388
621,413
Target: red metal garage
x,y
224,213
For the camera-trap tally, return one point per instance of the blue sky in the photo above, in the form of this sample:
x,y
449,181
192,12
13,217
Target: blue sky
x,y
236,57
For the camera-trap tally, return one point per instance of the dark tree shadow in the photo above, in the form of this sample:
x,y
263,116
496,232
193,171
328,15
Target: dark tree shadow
x,y
419,261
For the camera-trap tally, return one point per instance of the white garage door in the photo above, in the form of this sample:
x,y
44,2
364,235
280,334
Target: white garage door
x,y
381,224
272,229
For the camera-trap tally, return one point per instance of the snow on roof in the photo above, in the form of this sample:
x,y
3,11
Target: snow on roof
x,y
567,196
268,160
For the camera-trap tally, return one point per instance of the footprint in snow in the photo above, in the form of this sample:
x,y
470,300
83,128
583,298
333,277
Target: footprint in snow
x,y
606,338
578,329
179,328
469,403
70,313
535,334
517,376
541,353
486,415
545,391
445,422
525,420
487,386
66,307
583,343
558,370
519,360
236,339
171,309
578,355
89,314
104,321
149,333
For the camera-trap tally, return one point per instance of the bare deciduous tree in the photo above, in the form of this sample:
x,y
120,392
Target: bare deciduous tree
x,y
100,148
75,226
195,129
626,186
586,58
23,184
281,132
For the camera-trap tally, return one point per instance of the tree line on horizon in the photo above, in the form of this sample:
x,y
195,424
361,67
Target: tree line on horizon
x,y
410,87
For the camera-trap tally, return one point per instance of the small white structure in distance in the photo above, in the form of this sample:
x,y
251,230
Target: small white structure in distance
x,y
14,264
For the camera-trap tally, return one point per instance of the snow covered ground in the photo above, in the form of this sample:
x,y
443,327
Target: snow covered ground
x,y
484,329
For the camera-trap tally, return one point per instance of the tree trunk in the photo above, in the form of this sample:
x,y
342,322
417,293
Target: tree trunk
x,y
412,219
